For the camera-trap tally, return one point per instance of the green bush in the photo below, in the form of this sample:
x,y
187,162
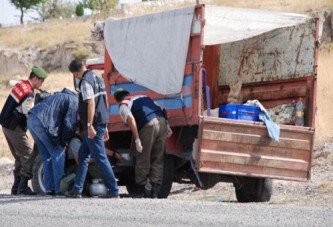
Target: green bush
x,y
79,11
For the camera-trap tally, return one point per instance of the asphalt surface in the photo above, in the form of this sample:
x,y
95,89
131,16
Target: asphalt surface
x,y
61,211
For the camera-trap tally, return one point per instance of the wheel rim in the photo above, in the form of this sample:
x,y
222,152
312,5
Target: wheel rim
x,y
41,178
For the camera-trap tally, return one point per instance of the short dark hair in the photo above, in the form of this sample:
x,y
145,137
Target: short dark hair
x,y
120,94
75,65
120,97
32,75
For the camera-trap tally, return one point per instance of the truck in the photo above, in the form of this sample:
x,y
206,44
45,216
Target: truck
x,y
192,61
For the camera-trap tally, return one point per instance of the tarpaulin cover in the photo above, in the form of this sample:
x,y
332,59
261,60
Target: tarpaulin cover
x,y
227,24
151,50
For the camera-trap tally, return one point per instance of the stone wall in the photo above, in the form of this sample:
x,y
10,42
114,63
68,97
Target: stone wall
x,y
14,62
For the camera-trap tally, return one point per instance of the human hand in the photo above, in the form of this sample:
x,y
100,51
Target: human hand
x,y
91,132
138,145
118,157
169,131
106,136
115,154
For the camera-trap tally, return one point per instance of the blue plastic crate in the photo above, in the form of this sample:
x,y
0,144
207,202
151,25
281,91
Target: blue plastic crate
x,y
228,111
248,113
240,112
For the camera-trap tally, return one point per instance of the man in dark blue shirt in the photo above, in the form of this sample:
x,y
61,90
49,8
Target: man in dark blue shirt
x,y
148,123
52,124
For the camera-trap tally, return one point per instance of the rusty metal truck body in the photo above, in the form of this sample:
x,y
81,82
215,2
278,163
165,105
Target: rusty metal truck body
x,y
274,67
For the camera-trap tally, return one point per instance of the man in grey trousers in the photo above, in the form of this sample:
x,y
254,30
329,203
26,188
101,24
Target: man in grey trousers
x,y
148,123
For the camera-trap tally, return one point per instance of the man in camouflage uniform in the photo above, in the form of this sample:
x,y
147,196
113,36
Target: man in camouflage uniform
x,y
13,119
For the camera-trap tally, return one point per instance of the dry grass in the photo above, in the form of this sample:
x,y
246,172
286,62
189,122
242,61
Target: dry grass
x,y
45,35
57,81
54,32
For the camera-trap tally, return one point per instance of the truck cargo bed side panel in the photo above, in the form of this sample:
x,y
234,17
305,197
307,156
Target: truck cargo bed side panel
x,y
244,148
280,54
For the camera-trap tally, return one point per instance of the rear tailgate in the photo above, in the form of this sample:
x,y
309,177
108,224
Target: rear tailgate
x,y
235,147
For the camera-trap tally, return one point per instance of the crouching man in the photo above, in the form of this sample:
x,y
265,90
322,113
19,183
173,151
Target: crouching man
x,y
52,124
148,123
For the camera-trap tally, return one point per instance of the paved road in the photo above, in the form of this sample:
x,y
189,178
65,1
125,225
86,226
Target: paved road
x,y
60,211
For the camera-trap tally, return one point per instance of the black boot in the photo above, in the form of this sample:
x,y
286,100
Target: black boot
x,y
148,188
155,190
23,188
140,192
16,184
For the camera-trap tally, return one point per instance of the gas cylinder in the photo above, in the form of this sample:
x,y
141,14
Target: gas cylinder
x,y
97,188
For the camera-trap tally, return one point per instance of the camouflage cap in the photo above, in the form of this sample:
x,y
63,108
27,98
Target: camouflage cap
x,y
39,72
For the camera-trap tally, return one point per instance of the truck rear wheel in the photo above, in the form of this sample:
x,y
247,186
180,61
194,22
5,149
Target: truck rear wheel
x,y
37,175
37,180
254,190
168,173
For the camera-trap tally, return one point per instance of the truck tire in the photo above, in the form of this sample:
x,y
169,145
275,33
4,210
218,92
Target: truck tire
x,y
168,173
37,175
254,190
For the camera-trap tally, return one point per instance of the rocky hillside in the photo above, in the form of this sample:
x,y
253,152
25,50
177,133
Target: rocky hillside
x,y
55,59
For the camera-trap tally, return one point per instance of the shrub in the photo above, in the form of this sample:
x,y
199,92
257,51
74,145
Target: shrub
x,y
79,11
82,52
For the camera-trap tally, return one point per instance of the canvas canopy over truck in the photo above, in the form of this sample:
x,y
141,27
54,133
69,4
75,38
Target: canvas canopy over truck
x,y
190,60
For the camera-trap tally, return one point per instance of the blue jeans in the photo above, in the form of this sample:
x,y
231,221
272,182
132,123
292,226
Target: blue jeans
x,y
96,149
53,157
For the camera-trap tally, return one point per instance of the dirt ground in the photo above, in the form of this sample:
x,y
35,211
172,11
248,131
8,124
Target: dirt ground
x,y
324,116
317,191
